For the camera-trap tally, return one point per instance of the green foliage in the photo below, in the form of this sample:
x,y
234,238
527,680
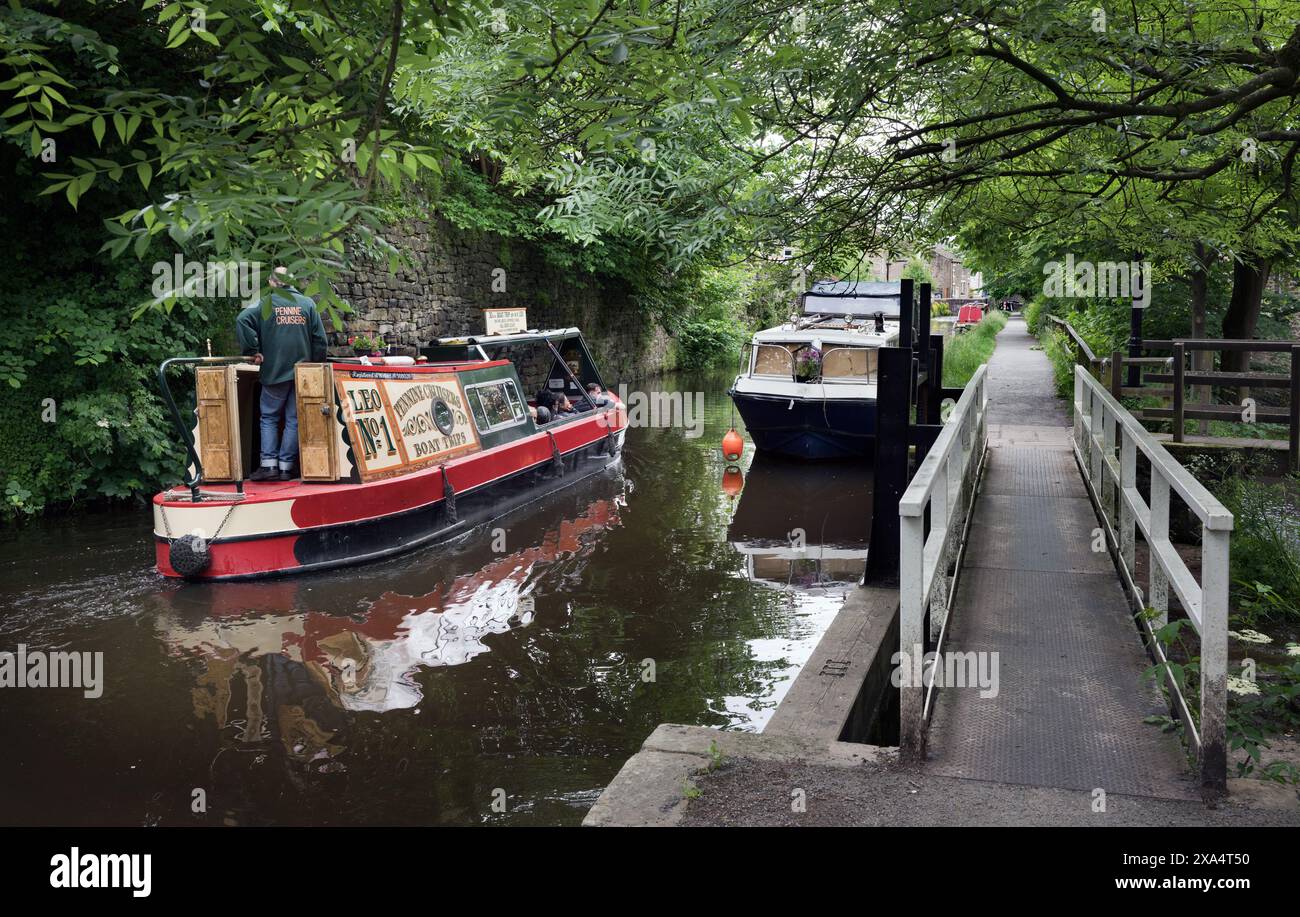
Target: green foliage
x,y
84,420
247,131
1265,546
716,756
964,353
1060,353
917,270
1102,328
711,311
1036,313
472,204
1261,704
714,326
81,419
709,342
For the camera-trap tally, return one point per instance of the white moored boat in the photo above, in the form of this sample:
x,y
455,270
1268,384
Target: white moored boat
x,y
808,389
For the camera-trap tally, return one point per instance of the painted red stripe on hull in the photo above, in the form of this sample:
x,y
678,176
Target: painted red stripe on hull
x,y
358,502
238,558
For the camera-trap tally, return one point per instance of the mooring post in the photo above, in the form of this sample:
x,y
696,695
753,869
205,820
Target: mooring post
x,y
906,312
936,370
924,360
893,409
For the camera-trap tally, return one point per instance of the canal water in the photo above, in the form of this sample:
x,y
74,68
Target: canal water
x,y
502,679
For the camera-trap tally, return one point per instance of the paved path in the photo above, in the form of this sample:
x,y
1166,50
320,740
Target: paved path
x,y
1071,702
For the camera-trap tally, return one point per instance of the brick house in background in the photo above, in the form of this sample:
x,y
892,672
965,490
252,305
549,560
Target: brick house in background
x,y
950,279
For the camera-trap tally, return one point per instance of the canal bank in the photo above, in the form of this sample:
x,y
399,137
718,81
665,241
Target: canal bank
x,y
802,771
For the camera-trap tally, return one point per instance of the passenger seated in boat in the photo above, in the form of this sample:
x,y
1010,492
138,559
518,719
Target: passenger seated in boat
x,y
545,406
597,395
563,406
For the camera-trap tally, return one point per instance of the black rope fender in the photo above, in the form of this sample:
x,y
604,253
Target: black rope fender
x,y
611,435
557,460
448,496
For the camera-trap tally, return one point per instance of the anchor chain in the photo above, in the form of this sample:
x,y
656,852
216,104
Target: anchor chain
x,y
167,528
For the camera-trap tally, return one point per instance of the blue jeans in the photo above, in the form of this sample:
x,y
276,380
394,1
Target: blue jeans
x,y
277,448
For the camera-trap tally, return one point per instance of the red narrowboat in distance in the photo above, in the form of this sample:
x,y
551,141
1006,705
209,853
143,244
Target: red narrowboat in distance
x,y
394,454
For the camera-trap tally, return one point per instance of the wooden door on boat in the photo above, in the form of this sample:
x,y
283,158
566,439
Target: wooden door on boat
x,y
317,455
218,410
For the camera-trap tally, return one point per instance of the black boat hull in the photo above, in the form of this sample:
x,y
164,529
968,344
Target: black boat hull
x,y
809,429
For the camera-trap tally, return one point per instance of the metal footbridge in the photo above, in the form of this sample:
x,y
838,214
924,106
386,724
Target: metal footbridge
x,y
1019,536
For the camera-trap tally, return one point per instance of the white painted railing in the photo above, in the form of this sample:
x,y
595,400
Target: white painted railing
x,y
945,482
1107,439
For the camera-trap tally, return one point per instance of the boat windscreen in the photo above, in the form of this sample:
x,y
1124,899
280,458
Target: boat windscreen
x,y
850,363
773,360
853,297
539,369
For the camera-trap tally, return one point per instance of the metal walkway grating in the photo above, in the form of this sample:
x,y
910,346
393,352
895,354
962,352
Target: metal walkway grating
x,y
1071,702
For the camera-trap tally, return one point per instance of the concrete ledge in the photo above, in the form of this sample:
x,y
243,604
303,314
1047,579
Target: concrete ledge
x,y
650,789
837,692
846,678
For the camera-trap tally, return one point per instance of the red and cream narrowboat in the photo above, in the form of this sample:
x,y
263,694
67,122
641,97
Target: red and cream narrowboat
x,y
395,454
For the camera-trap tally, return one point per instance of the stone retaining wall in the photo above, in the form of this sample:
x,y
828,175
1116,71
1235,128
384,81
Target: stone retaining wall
x,y
456,274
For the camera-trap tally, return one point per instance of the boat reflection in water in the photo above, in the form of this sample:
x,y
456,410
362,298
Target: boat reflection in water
x,y
288,682
803,530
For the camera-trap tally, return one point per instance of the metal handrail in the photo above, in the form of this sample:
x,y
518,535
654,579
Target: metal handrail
x,y
1101,427
945,482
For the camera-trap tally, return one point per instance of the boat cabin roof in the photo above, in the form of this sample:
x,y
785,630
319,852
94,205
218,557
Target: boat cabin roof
x,y
524,337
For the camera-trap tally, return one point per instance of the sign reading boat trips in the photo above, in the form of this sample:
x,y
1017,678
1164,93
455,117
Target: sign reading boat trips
x,y
505,321
400,422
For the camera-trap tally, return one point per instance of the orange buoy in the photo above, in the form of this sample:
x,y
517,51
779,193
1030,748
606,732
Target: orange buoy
x,y
732,446
732,481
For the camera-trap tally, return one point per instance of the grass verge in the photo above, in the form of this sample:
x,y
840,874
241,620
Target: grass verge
x,y
967,352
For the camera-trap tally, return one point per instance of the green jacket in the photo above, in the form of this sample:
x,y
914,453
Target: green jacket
x,y
292,333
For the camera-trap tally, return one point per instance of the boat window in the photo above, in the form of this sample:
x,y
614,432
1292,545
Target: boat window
x,y
495,405
773,360
857,363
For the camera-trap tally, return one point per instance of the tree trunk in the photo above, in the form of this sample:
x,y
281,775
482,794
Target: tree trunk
x,y
1202,360
1249,274
1199,281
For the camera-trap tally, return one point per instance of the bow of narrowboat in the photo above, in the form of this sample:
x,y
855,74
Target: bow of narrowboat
x,y
808,387
393,456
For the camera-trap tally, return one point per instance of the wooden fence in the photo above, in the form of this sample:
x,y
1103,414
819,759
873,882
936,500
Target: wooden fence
x,y
1167,378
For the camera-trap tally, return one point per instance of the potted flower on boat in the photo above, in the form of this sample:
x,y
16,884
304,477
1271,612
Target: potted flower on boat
x,y
808,364
364,344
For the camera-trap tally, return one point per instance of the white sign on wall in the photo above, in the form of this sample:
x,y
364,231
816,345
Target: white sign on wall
x,y
505,321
